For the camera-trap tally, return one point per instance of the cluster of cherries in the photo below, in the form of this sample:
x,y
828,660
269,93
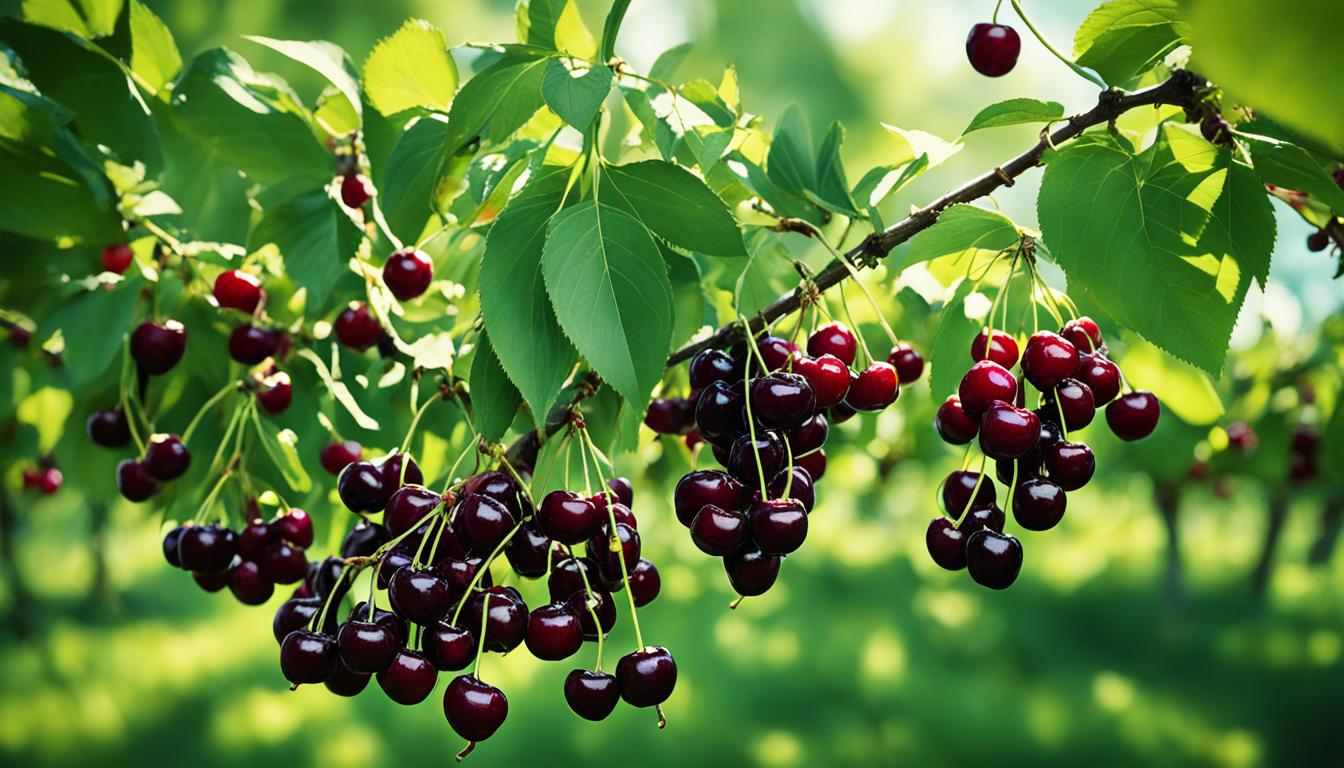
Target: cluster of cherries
x,y
45,478
766,414
166,457
1033,454
249,562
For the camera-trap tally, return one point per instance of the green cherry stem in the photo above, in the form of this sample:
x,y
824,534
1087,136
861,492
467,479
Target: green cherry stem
x,y
1070,63
980,478
614,543
480,642
751,421
205,408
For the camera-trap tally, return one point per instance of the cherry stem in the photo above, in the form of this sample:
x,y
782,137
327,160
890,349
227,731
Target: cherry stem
x,y
751,421
854,273
480,643
410,434
205,408
614,544
234,420
995,18
1059,406
1083,73
788,479
471,745
591,604
126,404
980,478
1008,505
431,532
461,457
320,618
733,605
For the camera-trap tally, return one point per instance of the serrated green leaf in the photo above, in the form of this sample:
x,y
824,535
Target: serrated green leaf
x,y
762,277
86,18
315,238
789,163
281,445
949,357
1287,165
1121,39
832,184
1242,223
410,69
527,338
47,199
154,55
494,399
688,294
1015,112
673,204
327,59
577,94
411,176
961,230
497,101
609,286
93,325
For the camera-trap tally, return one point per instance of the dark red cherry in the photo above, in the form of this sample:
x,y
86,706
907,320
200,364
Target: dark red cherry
x,y
1083,333
554,632
776,352
985,382
497,486
529,551
207,548
117,257
982,516
361,487
1075,400
646,677
407,274
909,364
211,582
420,595
742,456
1306,440
992,49
283,563
294,614
1134,415
959,486
296,527
394,561
781,400
707,486
718,413
357,328
946,544
568,517
993,559
474,709
603,605
566,577
623,490
827,375
875,388
591,695
808,436
108,428
1241,437
814,463
307,656
751,572
248,585
1101,376
1049,359
367,647
166,458
609,561
645,583
953,425
449,648
718,531
1003,350
833,338
356,190
506,619
1008,432
409,679
409,507
1070,464
338,455
344,681
253,540
157,348
1038,504
364,539
393,475
458,572
671,416
778,526
235,289
800,488
275,393
170,542
249,344
482,522
713,365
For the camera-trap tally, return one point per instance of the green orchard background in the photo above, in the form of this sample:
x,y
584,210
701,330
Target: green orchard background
x,y
1110,649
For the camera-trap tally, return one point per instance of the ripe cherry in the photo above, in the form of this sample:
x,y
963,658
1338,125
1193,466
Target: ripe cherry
x,y
568,517
1003,350
809,435
645,583
294,614
458,572
1049,359
624,492
1008,432
1101,376
157,348
592,695
781,400
356,327
670,416
248,585
1070,464
166,457
985,382
827,375
338,455
249,344
1318,241
394,476
778,526
235,289
366,646
946,544
751,572
800,487
410,678
554,632
1074,398
482,522
718,413
567,576
743,455
296,527
108,428
361,488
409,507
719,531
981,516
529,551
211,582
364,539
609,560
1134,415
833,338
993,559
707,486
344,681
777,352
134,481
1242,437
253,540
646,677
604,606
713,365
953,425
959,486
447,647
275,393
875,388
992,49
356,190
420,595
407,273
909,364
814,463
170,541
474,709
307,656
117,257
506,619
284,563
1083,333
1038,504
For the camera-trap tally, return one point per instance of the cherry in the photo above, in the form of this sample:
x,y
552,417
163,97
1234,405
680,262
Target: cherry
x,y
529,551
566,577
482,522
985,382
1070,464
1008,432
982,516
409,507
170,542
833,338
712,365
672,416
294,614
296,527
608,559
624,492
394,477
344,681
801,489
1038,504
249,344
284,564
276,392
447,647
409,679
338,455
946,544
554,632
992,49
235,289
356,190
953,425
157,348
497,486
419,595
1003,350
1083,333
706,486
782,400
718,413
254,538
356,327
1241,437
108,428
324,578
875,388
809,435
907,361
751,572
778,526
1316,242
166,457
134,481
458,573
248,585
47,480
1306,440
645,583
718,531
364,539
361,487
1134,415
506,619
407,273
603,606
959,486
568,517
211,582
367,647
207,548
743,455
19,336
1101,376
993,559
827,375
1075,399
117,257
646,677
1049,359
776,352
474,709
592,695
307,656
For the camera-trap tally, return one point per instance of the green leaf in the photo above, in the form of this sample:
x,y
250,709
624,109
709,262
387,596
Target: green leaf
x,y
327,59
668,62
911,143
762,277
45,198
1015,112
789,163
1183,389
1138,251
526,335
948,357
210,191
832,185
612,26
675,205
1332,443
339,390
609,286
705,95
1242,224
493,397
93,325
577,94
281,446
961,229
411,68
555,24
154,54
497,101
411,175
86,18
1288,165
1122,39
316,240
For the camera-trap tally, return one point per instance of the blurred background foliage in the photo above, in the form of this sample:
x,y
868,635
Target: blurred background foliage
x,y
1171,620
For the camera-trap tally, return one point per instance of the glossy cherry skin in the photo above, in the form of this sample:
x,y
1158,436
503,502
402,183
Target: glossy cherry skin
x,y
814,463
907,361
568,517
249,344
1070,464
1101,376
982,516
800,488
1038,504
1008,432
116,257
339,455
367,647
1003,350
166,458
482,522
645,583
782,400
394,477
356,190
157,348
707,486
364,539
993,559
108,428
946,544
1075,400
1134,415
742,456
170,542
207,548
827,375
529,551
718,531
211,582
409,507
833,338
622,489
566,577
605,608
134,481
713,365
248,585
952,423
410,678
959,486
609,567
776,352
591,695
718,412
670,416
283,563
506,619
554,632
992,49
307,656
294,614
449,648
474,709
497,486
1083,333
809,436
1049,359
646,677
296,527
419,595
985,382
751,572
361,487
235,289
275,393
875,388
357,328
344,681
778,526
407,274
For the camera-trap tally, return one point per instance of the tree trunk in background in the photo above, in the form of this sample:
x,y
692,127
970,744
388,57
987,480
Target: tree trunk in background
x,y
1168,500
1278,514
100,594
16,612
1332,521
